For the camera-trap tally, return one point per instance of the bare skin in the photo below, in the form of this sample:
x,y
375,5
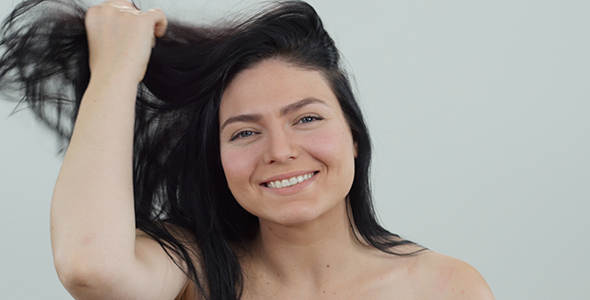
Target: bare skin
x,y
97,252
305,249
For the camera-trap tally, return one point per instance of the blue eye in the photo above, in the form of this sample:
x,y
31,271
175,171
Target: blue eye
x,y
309,119
242,134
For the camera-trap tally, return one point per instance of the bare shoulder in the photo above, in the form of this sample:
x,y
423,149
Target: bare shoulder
x,y
449,278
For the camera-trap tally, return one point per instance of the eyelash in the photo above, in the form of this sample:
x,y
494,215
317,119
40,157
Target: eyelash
x,y
239,134
315,118
309,118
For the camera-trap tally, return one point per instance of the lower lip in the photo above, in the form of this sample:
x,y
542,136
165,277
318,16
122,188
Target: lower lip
x,y
291,189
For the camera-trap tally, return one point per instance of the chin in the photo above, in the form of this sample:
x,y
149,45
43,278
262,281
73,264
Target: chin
x,y
294,219
298,214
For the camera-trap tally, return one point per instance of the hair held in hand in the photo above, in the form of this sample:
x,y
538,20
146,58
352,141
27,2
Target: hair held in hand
x,y
178,176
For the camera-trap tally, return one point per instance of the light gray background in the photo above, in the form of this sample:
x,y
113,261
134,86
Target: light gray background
x,y
480,115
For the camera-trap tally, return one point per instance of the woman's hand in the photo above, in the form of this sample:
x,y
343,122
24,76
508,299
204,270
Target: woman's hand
x,y
121,37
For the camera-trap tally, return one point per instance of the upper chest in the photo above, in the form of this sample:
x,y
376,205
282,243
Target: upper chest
x,y
385,281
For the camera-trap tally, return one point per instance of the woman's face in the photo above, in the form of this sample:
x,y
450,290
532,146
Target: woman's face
x,y
286,148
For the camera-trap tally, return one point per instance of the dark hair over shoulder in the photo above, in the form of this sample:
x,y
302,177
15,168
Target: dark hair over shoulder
x,y
178,176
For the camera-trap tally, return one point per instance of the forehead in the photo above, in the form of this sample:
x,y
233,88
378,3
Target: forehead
x,y
271,84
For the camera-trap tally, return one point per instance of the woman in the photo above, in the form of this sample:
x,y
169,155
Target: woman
x,y
237,170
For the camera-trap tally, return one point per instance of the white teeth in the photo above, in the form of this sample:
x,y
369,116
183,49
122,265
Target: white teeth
x,y
289,182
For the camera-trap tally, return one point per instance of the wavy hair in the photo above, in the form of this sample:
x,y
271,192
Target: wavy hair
x,y
178,176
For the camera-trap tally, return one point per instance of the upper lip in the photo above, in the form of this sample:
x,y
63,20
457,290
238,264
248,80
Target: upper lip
x,y
287,176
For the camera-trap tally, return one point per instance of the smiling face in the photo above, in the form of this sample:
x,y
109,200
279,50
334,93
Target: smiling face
x,y
286,148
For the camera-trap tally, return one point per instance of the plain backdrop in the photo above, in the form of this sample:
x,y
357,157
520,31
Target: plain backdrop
x,y
480,118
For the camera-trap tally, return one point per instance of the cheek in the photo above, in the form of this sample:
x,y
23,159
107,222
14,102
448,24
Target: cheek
x,y
238,165
334,147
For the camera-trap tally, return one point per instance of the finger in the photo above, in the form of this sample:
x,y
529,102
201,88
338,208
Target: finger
x,y
121,7
120,3
128,9
161,22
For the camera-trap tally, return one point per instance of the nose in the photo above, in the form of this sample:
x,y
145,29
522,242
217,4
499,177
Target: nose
x,y
281,147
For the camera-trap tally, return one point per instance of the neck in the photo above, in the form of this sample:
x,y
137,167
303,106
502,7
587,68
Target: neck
x,y
314,252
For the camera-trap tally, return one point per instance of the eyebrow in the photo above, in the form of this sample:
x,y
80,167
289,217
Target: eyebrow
x,y
284,111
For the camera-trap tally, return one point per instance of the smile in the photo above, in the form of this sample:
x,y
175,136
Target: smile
x,y
289,182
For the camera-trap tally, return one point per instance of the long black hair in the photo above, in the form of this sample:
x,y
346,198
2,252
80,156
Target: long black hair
x,y
178,176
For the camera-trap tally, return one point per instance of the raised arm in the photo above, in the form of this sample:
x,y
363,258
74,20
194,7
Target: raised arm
x,y
97,252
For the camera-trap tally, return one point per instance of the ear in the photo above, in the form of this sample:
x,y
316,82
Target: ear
x,y
356,149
